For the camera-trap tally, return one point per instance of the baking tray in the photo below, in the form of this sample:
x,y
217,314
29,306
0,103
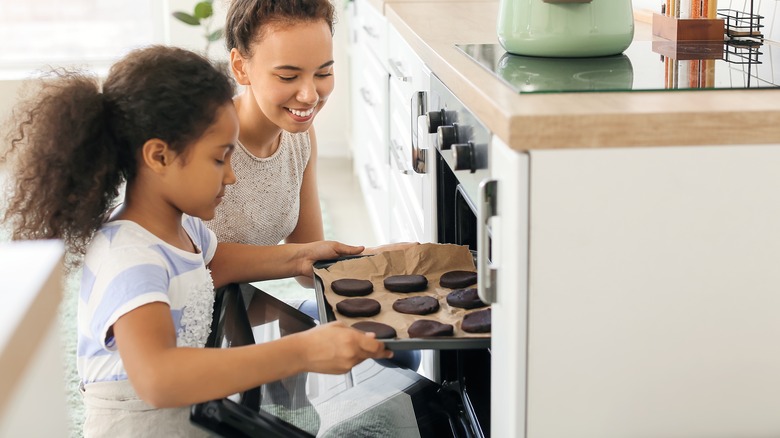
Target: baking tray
x,y
438,343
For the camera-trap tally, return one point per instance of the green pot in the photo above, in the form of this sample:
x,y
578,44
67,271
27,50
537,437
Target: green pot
x,y
565,28
537,75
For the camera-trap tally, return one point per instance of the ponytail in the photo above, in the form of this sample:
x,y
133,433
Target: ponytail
x,y
67,165
73,146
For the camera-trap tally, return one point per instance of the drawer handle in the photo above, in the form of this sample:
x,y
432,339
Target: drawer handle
x,y
366,94
396,67
397,151
371,180
370,31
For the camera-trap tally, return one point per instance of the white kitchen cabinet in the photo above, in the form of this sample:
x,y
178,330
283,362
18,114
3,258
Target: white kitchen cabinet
x,y
369,97
389,85
412,186
647,278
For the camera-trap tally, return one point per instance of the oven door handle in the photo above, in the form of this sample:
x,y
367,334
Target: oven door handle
x,y
486,208
419,110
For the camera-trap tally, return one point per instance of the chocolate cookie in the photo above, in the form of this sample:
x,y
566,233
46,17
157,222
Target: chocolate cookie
x,y
406,283
458,279
416,305
424,328
382,331
352,287
477,322
358,307
465,299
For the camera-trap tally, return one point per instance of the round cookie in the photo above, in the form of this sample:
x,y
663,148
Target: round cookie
x,y
423,328
465,299
477,322
406,283
352,287
382,331
416,305
458,279
358,307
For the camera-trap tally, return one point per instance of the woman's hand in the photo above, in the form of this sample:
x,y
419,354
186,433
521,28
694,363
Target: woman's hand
x,y
389,247
334,348
325,250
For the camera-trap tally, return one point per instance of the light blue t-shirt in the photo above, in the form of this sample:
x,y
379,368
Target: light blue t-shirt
x,y
126,267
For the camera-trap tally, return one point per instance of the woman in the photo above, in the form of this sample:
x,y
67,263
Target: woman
x,y
282,54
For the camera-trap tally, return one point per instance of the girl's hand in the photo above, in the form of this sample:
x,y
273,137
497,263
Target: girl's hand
x,y
334,348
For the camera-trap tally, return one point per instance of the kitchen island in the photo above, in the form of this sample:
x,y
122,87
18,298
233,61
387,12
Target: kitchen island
x,y
635,240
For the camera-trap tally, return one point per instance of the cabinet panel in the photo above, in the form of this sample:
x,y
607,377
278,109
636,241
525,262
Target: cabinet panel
x,y
371,29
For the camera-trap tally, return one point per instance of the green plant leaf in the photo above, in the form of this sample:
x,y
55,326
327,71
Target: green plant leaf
x,y
186,18
203,10
216,35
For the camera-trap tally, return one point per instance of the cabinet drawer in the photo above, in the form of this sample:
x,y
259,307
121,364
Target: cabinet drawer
x,y
404,65
370,103
371,29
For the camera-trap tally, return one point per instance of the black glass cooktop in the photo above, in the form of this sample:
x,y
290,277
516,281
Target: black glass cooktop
x,y
644,66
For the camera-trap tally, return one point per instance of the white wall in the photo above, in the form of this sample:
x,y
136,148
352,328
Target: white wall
x,y
331,124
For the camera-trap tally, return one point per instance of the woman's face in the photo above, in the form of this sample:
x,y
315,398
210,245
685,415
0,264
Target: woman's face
x,y
291,73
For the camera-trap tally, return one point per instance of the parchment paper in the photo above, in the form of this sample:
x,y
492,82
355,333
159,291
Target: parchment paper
x,y
428,259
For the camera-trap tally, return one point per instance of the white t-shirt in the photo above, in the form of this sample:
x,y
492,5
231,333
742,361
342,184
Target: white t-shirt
x,y
126,267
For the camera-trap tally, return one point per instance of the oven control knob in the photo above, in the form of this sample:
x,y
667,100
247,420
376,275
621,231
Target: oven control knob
x,y
447,135
463,155
436,119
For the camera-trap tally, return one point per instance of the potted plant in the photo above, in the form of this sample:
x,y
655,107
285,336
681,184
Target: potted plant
x,y
202,15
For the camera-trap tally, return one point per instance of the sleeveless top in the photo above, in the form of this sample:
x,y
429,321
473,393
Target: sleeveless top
x,y
262,207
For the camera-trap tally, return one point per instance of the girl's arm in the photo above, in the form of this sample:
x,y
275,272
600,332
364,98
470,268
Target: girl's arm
x,y
239,263
309,227
164,375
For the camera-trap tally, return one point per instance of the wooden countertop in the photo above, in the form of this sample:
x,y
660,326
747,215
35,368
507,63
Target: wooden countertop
x,y
31,276
576,120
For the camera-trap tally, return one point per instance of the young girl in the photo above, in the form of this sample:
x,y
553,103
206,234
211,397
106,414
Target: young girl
x,y
282,53
164,123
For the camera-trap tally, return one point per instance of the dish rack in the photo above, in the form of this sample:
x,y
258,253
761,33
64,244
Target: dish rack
x,y
742,24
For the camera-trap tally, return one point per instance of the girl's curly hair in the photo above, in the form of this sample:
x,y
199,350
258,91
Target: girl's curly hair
x,y
247,21
72,146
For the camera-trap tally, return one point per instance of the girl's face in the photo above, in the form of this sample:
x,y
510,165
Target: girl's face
x,y
202,171
290,73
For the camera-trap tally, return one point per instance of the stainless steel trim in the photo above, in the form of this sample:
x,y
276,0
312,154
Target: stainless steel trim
x,y
486,208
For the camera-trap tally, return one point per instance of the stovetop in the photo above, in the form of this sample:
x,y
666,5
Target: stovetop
x,y
644,66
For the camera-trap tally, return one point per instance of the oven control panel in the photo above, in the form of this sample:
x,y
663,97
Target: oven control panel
x,y
461,139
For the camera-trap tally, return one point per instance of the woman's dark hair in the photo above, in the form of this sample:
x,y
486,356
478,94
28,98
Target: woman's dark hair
x,y
248,20
72,146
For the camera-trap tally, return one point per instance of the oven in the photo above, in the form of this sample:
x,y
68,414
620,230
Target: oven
x,y
459,155
377,398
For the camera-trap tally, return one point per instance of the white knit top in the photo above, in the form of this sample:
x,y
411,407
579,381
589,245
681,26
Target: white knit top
x,y
262,207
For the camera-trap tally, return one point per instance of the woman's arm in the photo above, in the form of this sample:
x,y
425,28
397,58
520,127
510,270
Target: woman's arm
x,y
239,263
164,375
309,227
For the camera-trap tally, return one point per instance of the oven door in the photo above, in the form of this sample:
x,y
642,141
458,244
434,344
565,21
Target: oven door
x,y
377,398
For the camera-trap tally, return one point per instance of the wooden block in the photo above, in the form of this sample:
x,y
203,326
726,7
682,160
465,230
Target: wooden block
x,y
688,29
689,50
